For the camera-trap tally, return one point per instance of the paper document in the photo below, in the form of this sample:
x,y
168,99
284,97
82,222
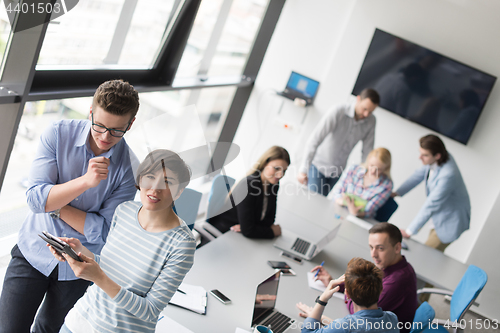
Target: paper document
x,y
240,330
194,298
318,285
167,325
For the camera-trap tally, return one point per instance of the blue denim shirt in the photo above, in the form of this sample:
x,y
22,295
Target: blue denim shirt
x,y
369,321
63,155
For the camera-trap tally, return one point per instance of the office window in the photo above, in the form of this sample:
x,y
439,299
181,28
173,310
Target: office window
x,y
118,34
187,125
222,37
4,30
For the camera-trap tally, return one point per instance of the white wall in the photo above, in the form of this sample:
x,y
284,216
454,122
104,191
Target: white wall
x,y
327,40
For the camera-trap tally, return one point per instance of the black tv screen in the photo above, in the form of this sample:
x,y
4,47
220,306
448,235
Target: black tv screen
x,y
424,86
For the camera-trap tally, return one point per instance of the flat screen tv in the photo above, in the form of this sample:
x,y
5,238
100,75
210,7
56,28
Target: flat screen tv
x,y
424,86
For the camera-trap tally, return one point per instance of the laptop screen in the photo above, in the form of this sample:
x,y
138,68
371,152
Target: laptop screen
x,y
306,86
265,299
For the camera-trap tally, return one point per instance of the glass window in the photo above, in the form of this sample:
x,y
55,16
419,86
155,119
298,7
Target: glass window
x,y
232,40
188,125
5,29
107,34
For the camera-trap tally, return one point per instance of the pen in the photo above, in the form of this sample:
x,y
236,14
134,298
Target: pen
x,y
322,263
181,291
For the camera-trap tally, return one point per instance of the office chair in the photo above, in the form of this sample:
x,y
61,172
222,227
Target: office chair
x,y
462,298
423,317
385,212
187,205
221,185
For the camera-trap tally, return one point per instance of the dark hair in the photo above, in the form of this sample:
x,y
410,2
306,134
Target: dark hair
x,y
391,230
363,282
273,153
117,97
372,94
160,159
434,144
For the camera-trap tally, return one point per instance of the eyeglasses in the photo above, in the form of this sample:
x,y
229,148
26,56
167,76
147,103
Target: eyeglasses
x,y
102,129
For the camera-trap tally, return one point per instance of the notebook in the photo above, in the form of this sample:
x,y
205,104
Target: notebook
x,y
264,312
190,297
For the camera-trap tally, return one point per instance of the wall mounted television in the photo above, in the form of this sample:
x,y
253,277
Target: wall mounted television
x,y
424,86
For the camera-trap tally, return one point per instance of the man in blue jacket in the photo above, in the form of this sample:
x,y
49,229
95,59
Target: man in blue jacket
x,y
447,204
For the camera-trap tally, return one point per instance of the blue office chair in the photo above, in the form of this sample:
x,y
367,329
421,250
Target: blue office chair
x,y
187,205
384,213
221,186
469,287
423,317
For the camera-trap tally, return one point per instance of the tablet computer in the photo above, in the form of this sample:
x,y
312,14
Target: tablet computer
x,y
59,245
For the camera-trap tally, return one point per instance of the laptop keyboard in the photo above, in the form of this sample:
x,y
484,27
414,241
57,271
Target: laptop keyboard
x,y
301,246
278,321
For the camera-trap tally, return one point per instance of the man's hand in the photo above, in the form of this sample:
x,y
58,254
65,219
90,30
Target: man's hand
x,y
323,275
97,171
404,233
329,291
276,230
302,178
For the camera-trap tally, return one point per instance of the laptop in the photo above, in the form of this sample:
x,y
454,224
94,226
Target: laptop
x,y
264,312
302,246
300,86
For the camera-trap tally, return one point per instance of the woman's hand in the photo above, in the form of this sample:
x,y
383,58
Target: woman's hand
x,y
88,269
352,207
339,201
305,311
236,228
404,233
323,275
276,230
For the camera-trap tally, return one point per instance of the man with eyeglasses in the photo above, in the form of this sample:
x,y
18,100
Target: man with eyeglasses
x,y
82,171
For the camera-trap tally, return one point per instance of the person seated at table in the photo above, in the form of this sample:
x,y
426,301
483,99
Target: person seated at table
x,y
370,182
254,215
148,252
399,294
363,285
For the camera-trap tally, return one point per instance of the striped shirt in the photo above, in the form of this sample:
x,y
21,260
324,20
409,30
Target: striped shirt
x,y
148,266
376,194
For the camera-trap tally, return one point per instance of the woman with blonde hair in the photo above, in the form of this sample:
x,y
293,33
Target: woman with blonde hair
x,y
365,188
254,215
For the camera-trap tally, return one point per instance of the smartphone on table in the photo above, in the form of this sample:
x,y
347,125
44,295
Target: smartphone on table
x,y
220,296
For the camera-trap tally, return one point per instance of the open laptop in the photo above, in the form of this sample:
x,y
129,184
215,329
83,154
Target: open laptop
x,y
264,312
302,246
300,86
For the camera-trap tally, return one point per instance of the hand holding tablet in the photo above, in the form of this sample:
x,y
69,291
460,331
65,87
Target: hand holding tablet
x,y
59,245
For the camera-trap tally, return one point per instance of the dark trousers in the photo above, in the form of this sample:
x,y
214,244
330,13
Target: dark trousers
x,y
318,182
23,291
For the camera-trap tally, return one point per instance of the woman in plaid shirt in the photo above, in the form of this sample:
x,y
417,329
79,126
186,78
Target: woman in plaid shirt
x,y
370,181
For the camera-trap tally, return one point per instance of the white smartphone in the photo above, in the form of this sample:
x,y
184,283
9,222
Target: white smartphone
x,y
220,296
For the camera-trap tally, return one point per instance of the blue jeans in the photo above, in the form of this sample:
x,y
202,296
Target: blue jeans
x,y
318,182
23,291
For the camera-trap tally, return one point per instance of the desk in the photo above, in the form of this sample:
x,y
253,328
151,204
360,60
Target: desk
x,y
236,265
430,265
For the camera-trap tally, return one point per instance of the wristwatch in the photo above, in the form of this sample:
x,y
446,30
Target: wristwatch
x,y
55,214
320,302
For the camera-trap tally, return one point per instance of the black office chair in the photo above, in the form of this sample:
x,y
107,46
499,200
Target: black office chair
x,y
385,212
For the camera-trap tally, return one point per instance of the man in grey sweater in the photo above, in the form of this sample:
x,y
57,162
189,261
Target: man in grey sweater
x,y
334,138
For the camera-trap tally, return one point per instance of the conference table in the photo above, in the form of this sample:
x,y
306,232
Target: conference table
x,y
235,265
